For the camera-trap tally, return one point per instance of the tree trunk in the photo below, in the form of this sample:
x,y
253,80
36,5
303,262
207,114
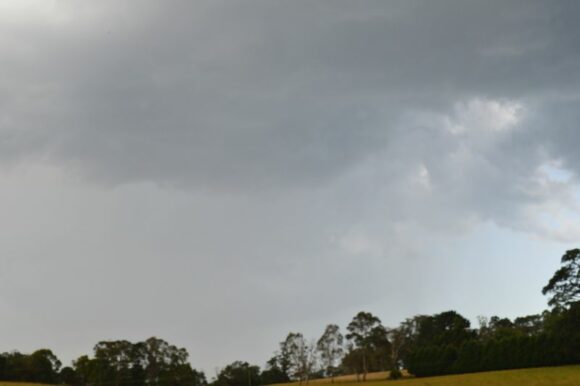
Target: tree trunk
x,y
364,368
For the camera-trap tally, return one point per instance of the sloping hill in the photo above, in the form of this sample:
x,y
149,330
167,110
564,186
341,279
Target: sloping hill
x,y
5,383
543,376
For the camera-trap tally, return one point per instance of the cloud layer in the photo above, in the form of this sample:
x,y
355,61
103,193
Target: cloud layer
x,y
285,148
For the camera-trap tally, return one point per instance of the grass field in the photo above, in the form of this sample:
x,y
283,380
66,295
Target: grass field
x,y
20,384
544,376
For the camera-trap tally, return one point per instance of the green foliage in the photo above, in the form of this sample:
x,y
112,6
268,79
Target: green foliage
x,y
302,355
272,376
564,286
238,374
361,329
446,328
395,374
153,362
370,345
41,366
330,348
352,362
507,347
68,376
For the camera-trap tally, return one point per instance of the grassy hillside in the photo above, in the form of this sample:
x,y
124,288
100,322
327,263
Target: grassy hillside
x,y
2,383
544,376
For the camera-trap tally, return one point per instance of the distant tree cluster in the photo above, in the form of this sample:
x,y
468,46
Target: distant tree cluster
x,y
425,345
443,343
42,366
153,362
238,373
552,338
364,348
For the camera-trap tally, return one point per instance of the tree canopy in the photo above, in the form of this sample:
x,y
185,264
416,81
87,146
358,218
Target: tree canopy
x,y
564,286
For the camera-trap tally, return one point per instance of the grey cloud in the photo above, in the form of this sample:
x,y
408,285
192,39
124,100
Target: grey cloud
x,y
224,95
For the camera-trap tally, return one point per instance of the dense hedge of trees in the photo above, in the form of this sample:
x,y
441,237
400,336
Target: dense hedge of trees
x,y
552,338
507,346
41,366
425,345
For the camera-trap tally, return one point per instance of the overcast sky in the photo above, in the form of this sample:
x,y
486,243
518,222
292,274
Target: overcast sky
x,y
219,173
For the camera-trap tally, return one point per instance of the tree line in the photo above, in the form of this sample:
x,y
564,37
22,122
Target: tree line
x,y
114,363
424,345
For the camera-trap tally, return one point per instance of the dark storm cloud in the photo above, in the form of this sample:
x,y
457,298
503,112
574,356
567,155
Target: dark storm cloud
x,y
226,95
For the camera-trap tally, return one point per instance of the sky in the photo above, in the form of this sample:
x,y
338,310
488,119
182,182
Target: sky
x,y
220,173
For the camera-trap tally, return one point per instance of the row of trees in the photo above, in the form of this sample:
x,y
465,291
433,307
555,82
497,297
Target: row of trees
x,y
42,366
426,345
153,362
443,343
365,347
552,338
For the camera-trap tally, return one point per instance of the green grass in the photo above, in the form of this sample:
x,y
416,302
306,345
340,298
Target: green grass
x,y
543,376
2,383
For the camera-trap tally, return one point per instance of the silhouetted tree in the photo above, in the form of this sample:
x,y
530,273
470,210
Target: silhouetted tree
x,y
330,348
43,366
238,374
273,372
352,361
564,286
302,357
364,330
68,376
397,338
